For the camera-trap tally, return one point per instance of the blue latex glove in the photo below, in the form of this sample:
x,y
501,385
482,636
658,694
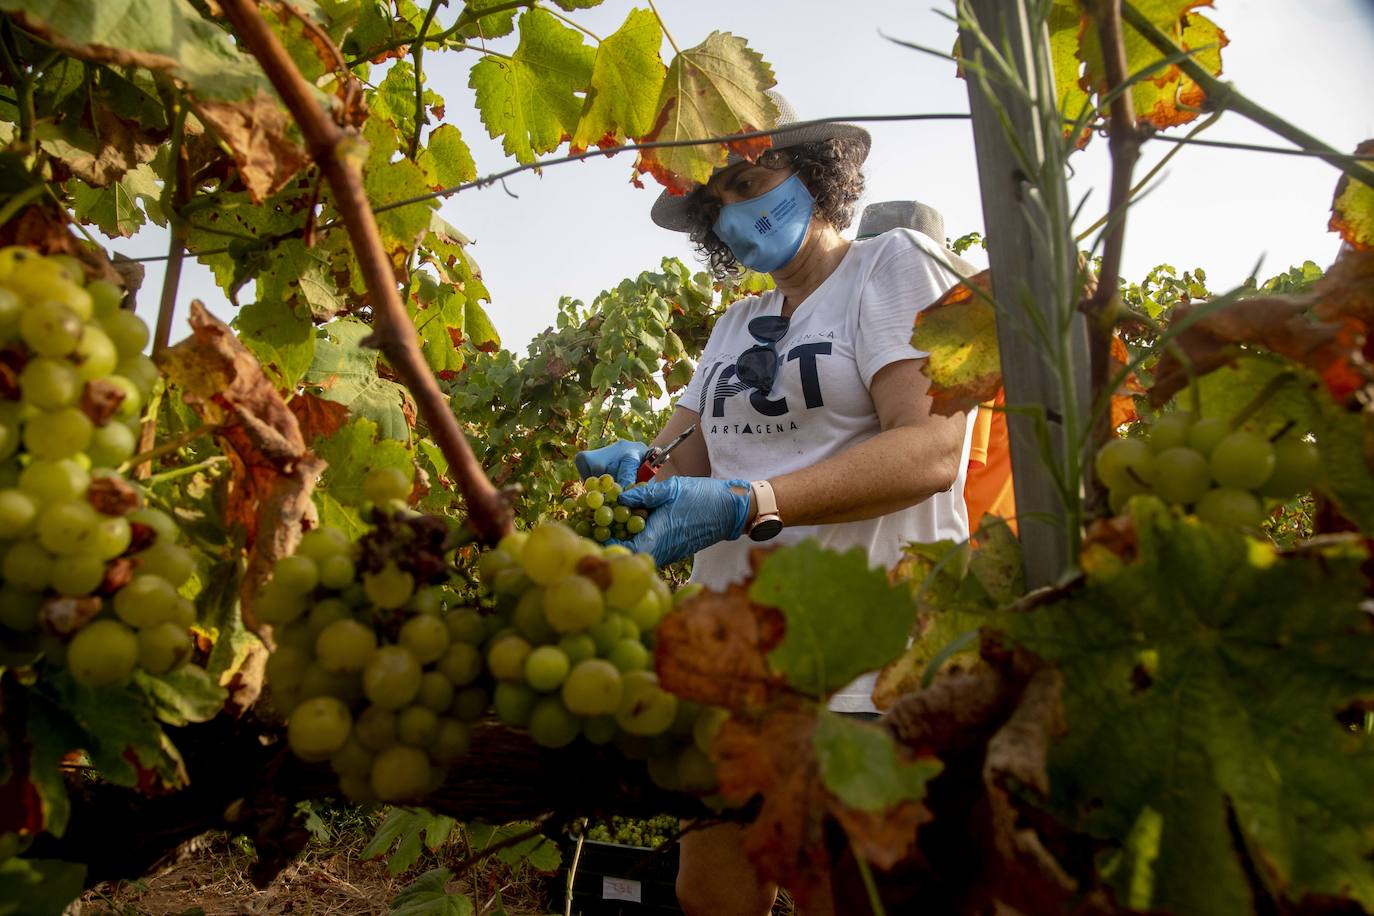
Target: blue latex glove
x,y
620,459
687,514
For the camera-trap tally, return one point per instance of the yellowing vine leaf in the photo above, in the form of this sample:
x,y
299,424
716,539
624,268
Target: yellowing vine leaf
x,y
959,334
718,87
1352,211
627,77
530,99
258,133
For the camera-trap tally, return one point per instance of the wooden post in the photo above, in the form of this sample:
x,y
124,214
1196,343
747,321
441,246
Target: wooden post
x,y
1033,260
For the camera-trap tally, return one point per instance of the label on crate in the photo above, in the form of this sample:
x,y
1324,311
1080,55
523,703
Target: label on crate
x,y
620,889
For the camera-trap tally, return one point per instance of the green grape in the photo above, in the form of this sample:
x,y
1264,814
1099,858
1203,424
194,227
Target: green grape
x,y
695,771
392,677
707,725
17,512
645,708
103,653
376,728
594,500
67,528
106,298
48,383
126,330
130,408
436,691
551,724
345,645
390,588
577,647
352,759
110,537
60,433
111,445
1297,468
50,329
605,482
635,524
384,484
529,620
417,726
506,658
10,310
145,601
600,729
10,433
452,741
401,773
278,606
325,541
511,583
621,514
1242,460
176,564
601,534
160,522
318,727
465,625
550,553
358,789
603,517
95,354
429,602
296,574
663,772
513,703
426,637
514,544
647,610
1181,476
317,682
1204,434
325,612
163,647
546,667
77,575
336,571
184,613
1123,463
461,663
1230,508
27,565
286,667
141,371
629,655
573,603
492,563
19,608
470,703
592,688
605,634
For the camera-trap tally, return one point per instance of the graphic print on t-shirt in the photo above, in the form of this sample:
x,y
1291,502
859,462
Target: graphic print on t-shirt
x,y
721,384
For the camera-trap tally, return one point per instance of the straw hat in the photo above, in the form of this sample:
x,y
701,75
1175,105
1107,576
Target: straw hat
x,y
670,210
879,217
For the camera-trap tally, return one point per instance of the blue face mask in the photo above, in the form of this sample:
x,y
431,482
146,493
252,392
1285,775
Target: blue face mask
x,y
766,232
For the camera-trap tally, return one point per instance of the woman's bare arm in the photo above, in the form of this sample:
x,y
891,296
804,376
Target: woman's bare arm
x,y
690,459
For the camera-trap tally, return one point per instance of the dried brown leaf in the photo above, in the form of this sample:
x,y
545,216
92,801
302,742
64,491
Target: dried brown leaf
x,y
100,399
112,495
258,132
713,648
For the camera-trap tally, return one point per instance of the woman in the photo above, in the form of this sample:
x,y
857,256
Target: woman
x,y
812,415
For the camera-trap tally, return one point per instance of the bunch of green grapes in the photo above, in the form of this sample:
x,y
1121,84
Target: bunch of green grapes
x,y
85,574
1221,474
595,511
646,833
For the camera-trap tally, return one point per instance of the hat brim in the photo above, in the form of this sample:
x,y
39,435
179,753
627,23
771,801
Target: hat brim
x,y
670,210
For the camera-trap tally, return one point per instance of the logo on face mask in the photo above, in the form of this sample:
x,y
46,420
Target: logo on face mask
x,y
762,225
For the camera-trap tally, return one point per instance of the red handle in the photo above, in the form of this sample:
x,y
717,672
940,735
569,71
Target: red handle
x,y
646,472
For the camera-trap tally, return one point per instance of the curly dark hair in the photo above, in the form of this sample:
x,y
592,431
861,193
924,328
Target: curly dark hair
x,y
828,168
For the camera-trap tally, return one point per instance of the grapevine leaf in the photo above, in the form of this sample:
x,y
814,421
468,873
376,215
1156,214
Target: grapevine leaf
x,y
627,77
400,227
98,158
1352,210
716,88
478,329
299,275
570,5
394,98
1204,680
959,334
39,887
860,765
539,851
353,451
822,651
1167,97
237,215
234,645
166,35
530,100
183,696
446,159
495,25
446,248
428,895
409,831
53,735
124,741
317,416
1066,24
280,337
114,209
712,648
344,370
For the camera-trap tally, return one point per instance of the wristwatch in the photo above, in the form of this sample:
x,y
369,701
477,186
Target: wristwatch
x,y
767,523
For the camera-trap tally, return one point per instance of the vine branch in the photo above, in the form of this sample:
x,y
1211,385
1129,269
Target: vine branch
x,y
488,512
417,53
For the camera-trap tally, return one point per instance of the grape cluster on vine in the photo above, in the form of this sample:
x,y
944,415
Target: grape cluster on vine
x,y
595,511
87,576
381,672
1221,474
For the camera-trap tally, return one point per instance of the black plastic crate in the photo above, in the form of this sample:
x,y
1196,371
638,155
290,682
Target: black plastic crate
x,y
617,880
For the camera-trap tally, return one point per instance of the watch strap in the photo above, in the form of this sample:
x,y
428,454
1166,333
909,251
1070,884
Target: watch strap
x,y
767,523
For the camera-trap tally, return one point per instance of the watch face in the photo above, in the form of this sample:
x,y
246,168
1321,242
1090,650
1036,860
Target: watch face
x,y
765,528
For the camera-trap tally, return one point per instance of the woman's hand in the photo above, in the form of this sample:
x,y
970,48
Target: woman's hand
x,y
687,514
620,459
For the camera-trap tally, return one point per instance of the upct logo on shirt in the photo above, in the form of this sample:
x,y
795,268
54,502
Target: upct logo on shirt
x,y
721,385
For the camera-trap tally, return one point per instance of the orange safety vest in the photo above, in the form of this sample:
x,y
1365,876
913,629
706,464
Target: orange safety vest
x,y
987,485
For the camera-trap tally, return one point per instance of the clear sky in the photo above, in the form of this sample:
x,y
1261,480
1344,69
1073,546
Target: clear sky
x,y
577,229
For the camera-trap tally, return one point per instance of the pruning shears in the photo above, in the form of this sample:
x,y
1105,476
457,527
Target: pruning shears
x,y
657,456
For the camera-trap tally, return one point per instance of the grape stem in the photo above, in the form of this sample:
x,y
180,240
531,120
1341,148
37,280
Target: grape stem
x,y
572,872
488,511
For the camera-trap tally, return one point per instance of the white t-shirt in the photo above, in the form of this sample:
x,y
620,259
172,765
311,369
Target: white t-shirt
x,y
855,323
